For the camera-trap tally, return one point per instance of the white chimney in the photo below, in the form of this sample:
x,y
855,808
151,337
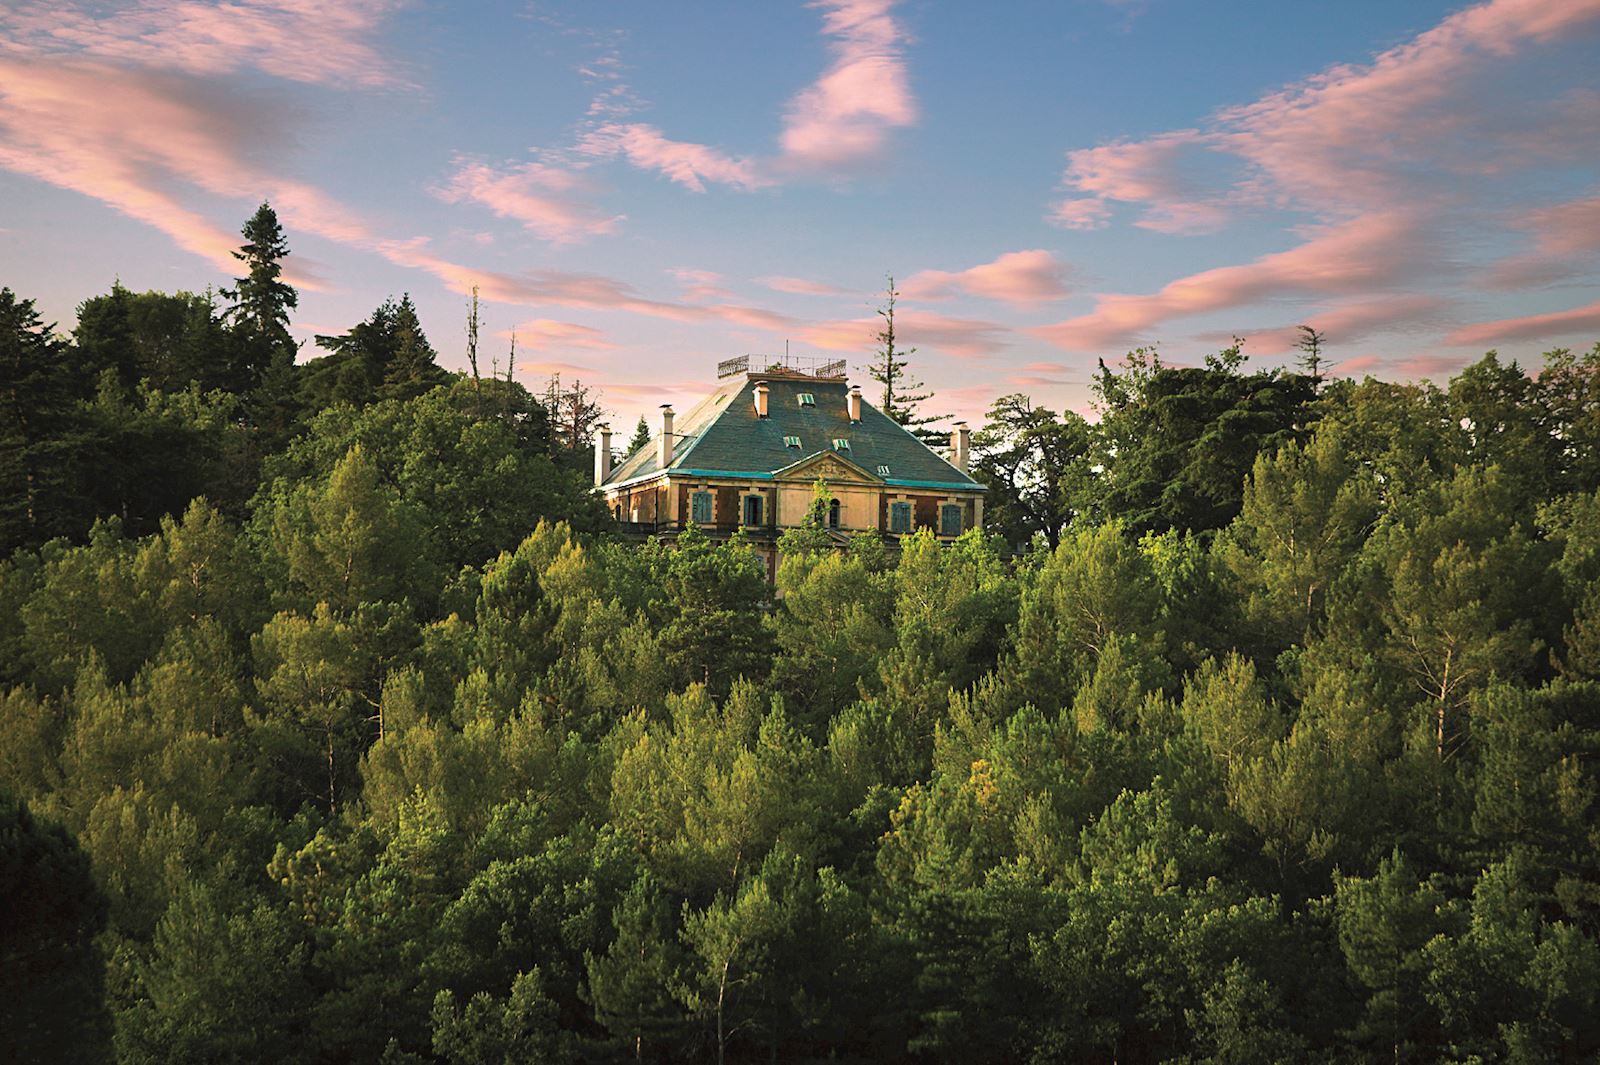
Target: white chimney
x,y
960,444
855,403
664,445
602,453
761,399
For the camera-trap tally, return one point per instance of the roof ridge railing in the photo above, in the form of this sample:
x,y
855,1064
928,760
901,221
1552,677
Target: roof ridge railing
x,y
802,365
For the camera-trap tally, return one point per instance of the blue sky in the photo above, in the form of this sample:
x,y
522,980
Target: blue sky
x,y
639,190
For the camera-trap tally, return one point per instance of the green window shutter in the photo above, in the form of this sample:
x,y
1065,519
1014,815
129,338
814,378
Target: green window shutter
x,y
700,508
900,517
752,510
950,519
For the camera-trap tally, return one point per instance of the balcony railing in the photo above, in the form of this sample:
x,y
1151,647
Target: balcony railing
x,y
803,365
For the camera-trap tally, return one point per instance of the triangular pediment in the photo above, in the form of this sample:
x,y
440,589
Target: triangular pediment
x,y
830,466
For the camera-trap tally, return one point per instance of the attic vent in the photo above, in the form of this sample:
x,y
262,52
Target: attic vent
x,y
841,444
808,399
791,441
883,471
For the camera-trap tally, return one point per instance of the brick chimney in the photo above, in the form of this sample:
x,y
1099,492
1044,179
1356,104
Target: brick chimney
x,y
854,403
664,445
602,453
761,399
960,445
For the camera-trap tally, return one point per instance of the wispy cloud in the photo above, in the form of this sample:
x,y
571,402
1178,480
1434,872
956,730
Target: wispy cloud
x,y
1556,325
1380,153
1344,322
1564,234
547,334
690,165
139,141
327,42
546,200
837,123
1021,278
848,113
1356,137
958,337
799,286
1367,254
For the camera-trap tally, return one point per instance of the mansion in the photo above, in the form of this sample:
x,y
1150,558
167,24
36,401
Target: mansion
x,y
749,455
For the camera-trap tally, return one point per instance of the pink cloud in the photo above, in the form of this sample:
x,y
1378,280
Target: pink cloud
x,y
1043,375
1359,364
1562,232
565,289
1085,213
690,165
318,41
132,139
542,198
1397,133
847,114
960,337
799,286
1344,323
1150,171
840,120
1429,365
1579,321
701,286
1021,278
1369,253
547,334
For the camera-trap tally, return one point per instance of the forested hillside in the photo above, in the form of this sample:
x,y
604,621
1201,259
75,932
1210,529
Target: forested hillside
x,y
335,727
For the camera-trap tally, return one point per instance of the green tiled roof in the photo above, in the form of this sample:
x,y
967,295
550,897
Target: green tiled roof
x,y
723,435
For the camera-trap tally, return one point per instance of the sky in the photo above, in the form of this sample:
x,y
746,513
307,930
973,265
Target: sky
x,y
640,190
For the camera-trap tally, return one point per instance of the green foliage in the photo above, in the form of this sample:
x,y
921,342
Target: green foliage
x,y
1037,467
1276,743
52,977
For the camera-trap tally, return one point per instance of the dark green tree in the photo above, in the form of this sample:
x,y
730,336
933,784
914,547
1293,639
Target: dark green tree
x,y
52,975
43,434
1037,468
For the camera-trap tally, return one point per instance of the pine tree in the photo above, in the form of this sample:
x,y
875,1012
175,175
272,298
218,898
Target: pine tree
x,y
1310,345
42,432
901,393
641,436
412,367
262,300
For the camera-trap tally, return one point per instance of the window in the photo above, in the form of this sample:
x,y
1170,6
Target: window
x,y
833,514
841,444
752,510
808,399
791,441
900,518
950,519
883,471
700,508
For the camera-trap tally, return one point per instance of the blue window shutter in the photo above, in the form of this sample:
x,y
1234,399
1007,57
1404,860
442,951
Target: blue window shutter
x,y
950,520
700,508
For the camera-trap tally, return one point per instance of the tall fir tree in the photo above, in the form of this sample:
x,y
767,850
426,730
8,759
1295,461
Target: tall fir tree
x,y
43,433
261,299
641,436
902,394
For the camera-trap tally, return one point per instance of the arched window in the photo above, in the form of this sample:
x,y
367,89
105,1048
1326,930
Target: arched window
x,y
833,514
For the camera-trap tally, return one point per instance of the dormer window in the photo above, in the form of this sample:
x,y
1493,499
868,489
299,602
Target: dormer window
x,y
841,444
883,471
791,441
808,399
